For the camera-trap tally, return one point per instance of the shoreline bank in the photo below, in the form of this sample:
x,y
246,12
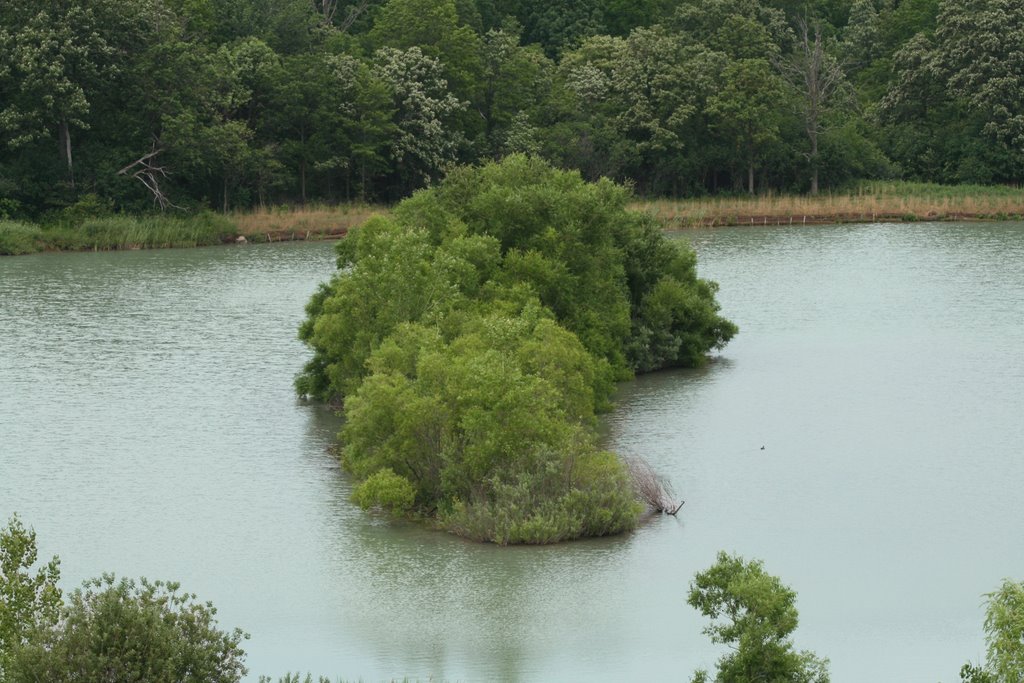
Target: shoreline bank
x,y
873,203
865,202
689,222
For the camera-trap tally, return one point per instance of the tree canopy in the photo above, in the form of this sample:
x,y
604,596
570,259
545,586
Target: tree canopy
x,y
474,333
754,614
1004,637
235,103
110,629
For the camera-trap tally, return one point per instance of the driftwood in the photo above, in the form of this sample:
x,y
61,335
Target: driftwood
x,y
651,488
149,173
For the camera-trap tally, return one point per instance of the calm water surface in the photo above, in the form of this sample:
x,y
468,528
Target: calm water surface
x,y
148,427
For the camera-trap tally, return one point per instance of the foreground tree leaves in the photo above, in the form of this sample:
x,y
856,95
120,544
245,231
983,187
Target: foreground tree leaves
x,y
29,596
1004,637
109,630
754,614
120,630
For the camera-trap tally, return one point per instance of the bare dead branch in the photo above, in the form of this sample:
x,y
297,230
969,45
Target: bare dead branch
x,y
353,14
148,172
650,488
326,9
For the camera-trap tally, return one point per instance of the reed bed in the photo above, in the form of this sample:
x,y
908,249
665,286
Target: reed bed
x,y
306,222
865,202
115,232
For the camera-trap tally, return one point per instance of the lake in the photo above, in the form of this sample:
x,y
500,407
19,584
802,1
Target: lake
x,y
148,426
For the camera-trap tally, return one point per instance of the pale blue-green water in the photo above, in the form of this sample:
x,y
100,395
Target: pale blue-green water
x,y
148,427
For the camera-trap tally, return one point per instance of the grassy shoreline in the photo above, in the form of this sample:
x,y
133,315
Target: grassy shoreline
x,y
865,202
122,232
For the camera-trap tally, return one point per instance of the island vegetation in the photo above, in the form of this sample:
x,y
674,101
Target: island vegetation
x,y
254,108
474,333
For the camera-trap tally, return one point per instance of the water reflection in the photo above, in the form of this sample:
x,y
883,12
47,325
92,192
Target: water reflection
x,y
149,427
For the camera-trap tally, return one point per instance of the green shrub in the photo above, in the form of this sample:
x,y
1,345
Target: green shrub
x,y
30,599
511,231
10,209
475,333
19,238
386,490
108,630
88,206
118,630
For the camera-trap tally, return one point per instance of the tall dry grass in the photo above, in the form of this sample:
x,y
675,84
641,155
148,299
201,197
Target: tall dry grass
x,y
867,201
302,222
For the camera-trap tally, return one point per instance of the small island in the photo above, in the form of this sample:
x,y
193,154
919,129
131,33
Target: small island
x,y
473,335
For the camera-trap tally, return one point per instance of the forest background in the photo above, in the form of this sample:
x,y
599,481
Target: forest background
x,y
127,105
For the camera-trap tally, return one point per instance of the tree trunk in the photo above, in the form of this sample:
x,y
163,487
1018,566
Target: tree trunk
x,y
65,149
814,163
302,179
225,194
750,177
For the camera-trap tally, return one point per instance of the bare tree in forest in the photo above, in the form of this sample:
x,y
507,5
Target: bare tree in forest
x,y
329,8
819,78
147,171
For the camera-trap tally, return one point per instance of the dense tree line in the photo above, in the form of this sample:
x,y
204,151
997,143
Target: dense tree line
x,y
234,103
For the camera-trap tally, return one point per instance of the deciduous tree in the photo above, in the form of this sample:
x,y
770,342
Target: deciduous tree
x,y
755,614
29,596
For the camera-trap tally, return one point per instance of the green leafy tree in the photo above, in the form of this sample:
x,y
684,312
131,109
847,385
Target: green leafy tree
x,y
286,25
742,29
748,110
656,89
297,98
119,630
53,57
951,108
29,596
754,614
335,118
434,28
517,223
58,60
557,25
487,428
474,334
861,37
426,141
981,43
1004,638
514,80
622,16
